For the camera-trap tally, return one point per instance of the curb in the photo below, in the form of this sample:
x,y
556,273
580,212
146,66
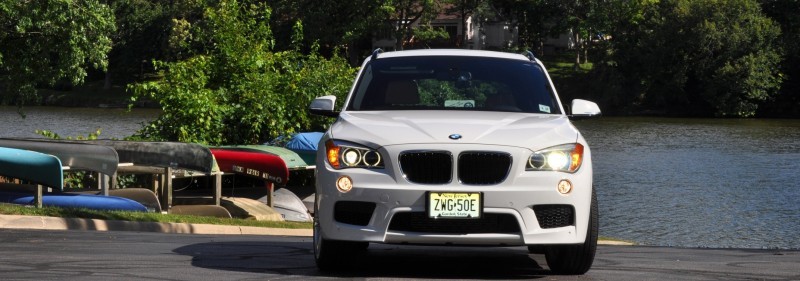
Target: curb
x,y
54,223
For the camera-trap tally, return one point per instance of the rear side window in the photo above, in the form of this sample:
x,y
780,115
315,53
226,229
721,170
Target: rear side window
x,y
454,83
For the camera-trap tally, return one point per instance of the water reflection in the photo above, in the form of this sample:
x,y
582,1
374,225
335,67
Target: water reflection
x,y
698,182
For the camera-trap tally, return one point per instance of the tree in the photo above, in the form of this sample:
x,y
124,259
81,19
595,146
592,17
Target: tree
x,y
141,28
46,41
332,24
537,20
239,90
403,15
786,13
696,57
466,8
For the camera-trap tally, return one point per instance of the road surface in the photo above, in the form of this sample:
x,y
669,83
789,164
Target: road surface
x,y
125,255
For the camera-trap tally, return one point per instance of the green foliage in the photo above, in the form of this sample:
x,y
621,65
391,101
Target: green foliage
x,y
331,23
240,91
786,13
699,57
46,41
51,135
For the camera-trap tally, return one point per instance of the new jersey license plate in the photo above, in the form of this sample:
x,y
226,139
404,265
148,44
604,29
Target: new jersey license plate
x,y
464,205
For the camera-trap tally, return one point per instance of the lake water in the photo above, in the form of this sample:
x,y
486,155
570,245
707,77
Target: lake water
x,y
114,123
697,182
718,183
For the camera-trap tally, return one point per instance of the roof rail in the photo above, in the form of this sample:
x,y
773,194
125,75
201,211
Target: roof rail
x,y
530,55
376,52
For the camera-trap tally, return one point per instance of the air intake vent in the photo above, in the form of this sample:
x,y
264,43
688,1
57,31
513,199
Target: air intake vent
x,y
552,216
353,212
420,222
483,168
429,167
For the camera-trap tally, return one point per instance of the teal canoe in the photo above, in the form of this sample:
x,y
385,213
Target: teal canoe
x,y
90,157
31,166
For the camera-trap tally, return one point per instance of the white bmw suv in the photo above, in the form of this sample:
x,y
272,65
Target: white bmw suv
x,y
455,147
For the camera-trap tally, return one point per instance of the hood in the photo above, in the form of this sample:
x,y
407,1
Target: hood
x,y
386,128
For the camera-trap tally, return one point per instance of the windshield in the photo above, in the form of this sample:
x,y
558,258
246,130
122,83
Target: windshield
x,y
454,83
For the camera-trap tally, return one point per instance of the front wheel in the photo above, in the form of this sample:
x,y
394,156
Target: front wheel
x,y
331,254
576,259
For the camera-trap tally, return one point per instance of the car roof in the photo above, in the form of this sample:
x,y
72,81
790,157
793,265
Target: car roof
x,y
451,52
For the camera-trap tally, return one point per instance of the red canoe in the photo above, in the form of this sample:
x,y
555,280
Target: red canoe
x,y
265,166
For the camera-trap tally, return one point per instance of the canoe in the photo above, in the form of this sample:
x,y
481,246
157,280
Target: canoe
x,y
144,196
69,200
189,156
260,165
95,158
269,167
201,210
293,160
31,166
288,205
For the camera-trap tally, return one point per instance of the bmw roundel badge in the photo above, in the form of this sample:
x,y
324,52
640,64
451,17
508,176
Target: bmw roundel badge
x,y
455,137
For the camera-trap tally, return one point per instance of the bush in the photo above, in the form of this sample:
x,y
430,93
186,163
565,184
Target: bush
x,y
240,90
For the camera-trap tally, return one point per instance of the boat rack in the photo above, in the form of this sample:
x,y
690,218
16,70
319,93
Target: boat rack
x,y
110,158
164,161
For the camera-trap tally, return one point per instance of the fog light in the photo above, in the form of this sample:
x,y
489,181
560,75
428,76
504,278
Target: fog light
x,y
344,184
564,187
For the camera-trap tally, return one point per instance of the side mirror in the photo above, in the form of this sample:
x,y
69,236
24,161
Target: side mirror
x,y
582,109
323,106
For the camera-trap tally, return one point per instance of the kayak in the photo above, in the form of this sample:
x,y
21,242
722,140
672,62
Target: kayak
x,y
70,200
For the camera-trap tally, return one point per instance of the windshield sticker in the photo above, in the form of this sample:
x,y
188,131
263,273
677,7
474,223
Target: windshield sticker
x,y
459,103
544,108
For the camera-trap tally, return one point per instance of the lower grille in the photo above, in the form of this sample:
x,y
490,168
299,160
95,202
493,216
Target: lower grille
x,y
430,167
353,212
483,168
552,216
420,222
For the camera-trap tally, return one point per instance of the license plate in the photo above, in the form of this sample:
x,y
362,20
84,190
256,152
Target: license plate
x,y
462,205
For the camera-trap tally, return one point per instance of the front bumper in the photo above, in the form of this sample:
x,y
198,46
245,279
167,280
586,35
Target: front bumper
x,y
384,207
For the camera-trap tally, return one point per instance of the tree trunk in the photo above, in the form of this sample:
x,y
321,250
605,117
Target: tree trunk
x,y
463,28
576,37
107,82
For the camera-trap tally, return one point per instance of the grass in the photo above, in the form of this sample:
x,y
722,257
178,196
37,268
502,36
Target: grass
x,y
12,209
562,65
570,82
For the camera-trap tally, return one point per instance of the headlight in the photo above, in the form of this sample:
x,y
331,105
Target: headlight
x,y
342,156
563,158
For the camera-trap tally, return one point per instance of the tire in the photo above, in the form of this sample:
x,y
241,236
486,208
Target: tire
x,y
576,259
331,255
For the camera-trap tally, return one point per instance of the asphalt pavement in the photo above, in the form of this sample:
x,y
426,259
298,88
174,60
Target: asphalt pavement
x,y
129,255
54,223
